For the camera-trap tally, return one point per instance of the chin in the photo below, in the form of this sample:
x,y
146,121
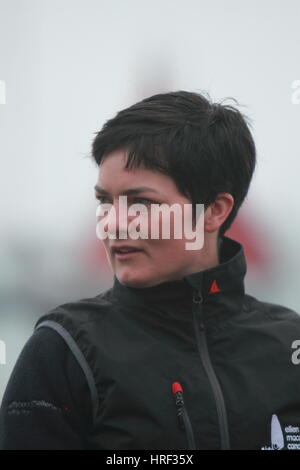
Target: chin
x,y
135,278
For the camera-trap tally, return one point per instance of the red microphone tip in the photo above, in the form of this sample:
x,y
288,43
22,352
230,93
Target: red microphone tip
x,y
176,387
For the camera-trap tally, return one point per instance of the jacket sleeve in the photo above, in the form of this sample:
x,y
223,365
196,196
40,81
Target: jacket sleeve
x,y
46,403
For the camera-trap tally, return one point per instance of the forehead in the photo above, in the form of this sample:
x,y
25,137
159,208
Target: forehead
x,y
113,174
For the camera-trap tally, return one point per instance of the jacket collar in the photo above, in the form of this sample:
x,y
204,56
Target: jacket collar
x,y
221,287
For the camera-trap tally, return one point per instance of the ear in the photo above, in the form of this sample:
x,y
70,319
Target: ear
x,y
218,211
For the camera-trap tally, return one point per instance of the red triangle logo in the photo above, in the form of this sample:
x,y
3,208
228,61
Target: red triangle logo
x,y
214,288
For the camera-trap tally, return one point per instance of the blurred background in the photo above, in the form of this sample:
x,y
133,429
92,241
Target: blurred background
x,y
66,66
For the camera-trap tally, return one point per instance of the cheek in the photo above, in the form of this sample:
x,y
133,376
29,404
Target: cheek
x,y
167,224
168,252
105,244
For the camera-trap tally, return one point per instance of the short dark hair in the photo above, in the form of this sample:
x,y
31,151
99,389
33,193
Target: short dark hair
x,y
206,147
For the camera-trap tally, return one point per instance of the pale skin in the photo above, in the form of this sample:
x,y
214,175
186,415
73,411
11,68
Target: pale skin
x,y
163,259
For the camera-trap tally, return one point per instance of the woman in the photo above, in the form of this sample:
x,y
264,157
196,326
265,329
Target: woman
x,y
175,355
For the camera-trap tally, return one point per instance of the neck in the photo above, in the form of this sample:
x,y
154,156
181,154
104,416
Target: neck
x,y
221,287
210,255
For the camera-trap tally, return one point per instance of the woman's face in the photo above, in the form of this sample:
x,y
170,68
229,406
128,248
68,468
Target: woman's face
x,y
158,260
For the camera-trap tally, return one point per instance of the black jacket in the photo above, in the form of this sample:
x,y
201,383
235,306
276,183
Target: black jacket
x,y
188,364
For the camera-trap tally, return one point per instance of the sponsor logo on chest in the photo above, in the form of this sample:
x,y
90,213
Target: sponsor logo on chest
x,y
287,437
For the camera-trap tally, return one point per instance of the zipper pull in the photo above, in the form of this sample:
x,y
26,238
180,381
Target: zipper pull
x,y
177,391
197,302
183,417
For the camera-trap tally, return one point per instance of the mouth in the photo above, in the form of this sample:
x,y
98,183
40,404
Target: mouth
x,y
124,253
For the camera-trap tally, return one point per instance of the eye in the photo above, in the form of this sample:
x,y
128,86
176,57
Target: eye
x,y
138,200
142,200
102,199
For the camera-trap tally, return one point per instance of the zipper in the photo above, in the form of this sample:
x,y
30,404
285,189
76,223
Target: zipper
x,y
204,354
183,417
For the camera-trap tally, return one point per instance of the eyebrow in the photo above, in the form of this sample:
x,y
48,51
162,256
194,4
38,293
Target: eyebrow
x,y
127,191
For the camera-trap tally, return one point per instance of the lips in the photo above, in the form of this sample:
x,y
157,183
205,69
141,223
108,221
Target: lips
x,y
125,253
124,249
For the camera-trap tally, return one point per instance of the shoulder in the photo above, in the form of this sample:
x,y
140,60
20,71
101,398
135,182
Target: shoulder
x,y
278,313
46,395
45,367
42,348
74,314
273,309
73,323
